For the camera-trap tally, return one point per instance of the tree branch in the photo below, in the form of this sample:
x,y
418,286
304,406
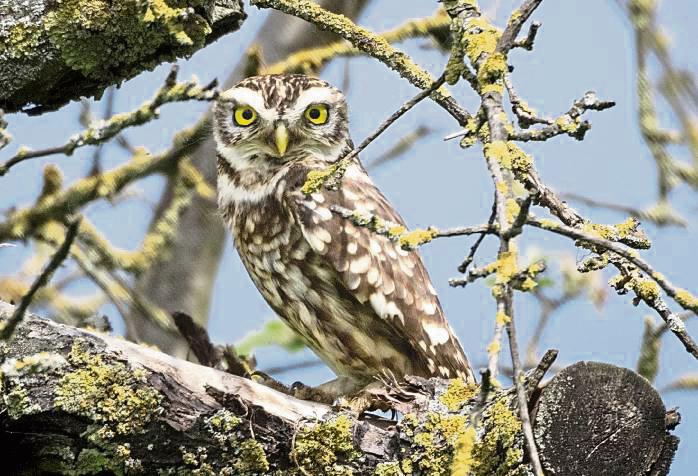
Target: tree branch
x,y
51,53
79,401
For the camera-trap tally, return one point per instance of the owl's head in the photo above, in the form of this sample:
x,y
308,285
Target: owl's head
x,y
281,118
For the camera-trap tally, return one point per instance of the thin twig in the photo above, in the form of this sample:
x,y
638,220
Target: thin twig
x,y
400,147
681,296
102,131
508,39
303,364
370,43
463,267
59,256
521,397
527,43
397,232
395,116
661,214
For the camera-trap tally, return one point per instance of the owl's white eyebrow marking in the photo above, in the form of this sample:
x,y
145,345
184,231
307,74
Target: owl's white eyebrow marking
x,y
251,98
313,96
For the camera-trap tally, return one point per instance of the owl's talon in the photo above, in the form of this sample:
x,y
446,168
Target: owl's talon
x,y
271,382
302,391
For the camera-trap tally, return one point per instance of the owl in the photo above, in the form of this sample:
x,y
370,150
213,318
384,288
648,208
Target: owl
x,y
364,305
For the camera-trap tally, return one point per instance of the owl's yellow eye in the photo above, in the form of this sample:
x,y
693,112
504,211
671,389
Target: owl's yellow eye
x,y
316,113
244,115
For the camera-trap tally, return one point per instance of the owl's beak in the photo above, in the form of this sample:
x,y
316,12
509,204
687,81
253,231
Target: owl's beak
x,y
281,139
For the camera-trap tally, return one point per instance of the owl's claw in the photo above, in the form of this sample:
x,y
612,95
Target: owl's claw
x,y
271,382
302,391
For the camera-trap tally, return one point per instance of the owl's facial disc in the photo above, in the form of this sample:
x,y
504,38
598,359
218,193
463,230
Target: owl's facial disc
x,y
311,122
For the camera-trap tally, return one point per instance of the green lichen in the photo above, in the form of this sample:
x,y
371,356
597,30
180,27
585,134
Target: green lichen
x,y
391,468
107,392
325,448
568,125
20,41
415,238
646,289
510,156
501,318
396,231
90,461
480,38
457,394
686,299
512,210
17,401
627,232
251,458
434,443
222,425
506,266
491,73
498,452
463,461
317,178
98,37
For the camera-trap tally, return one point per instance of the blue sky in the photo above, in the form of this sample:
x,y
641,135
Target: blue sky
x,y
583,44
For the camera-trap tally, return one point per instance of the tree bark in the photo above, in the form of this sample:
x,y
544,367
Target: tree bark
x,y
82,402
53,52
185,282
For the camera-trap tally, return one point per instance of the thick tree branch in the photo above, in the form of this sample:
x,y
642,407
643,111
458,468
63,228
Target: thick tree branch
x,y
54,52
84,402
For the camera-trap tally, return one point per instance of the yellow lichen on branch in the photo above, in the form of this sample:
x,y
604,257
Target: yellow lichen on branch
x,y
309,61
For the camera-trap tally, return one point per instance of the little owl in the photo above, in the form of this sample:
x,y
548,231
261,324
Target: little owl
x,y
364,305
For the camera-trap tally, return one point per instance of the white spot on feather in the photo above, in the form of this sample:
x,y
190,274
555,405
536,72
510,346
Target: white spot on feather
x,y
372,275
360,265
352,248
316,242
323,234
353,280
393,311
437,333
378,303
429,307
324,213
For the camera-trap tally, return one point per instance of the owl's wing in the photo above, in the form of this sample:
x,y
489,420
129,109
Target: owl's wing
x,y
378,271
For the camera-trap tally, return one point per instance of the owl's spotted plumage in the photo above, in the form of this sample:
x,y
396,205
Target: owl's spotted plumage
x,y
363,304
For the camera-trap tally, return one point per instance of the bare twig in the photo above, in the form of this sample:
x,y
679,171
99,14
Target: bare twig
x,y
400,147
681,296
661,214
463,267
369,43
98,133
8,328
337,169
394,117
527,43
508,39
